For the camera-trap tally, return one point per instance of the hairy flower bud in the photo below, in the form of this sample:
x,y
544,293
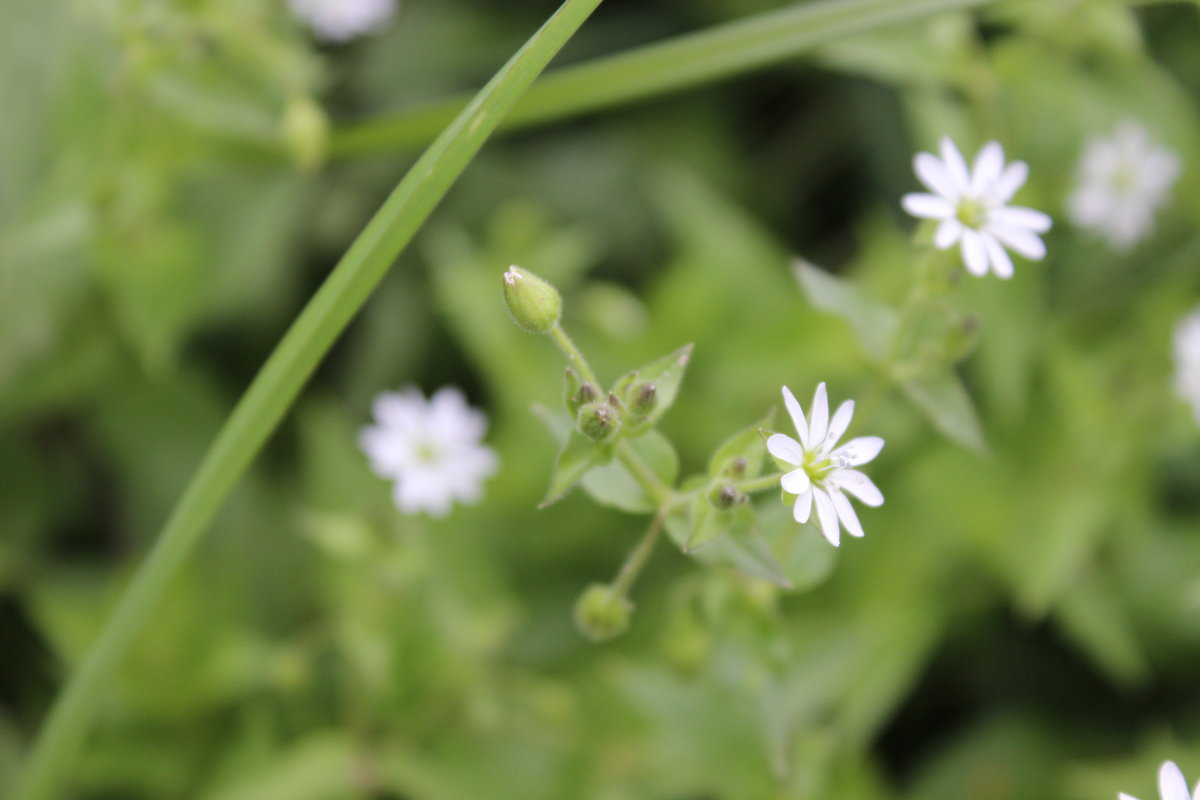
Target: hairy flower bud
x,y
599,420
600,614
724,496
534,303
643,398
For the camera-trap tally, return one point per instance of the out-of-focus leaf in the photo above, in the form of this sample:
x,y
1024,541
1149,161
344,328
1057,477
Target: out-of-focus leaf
x,y
745,444
709,522
319,767
578,456
804,554
1093,615
611,484
944,399
743,549
873,322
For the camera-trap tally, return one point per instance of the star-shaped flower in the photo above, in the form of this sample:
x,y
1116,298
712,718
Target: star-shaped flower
x,y
822,474
1123,180
972,205
1171,785
431,449
342,20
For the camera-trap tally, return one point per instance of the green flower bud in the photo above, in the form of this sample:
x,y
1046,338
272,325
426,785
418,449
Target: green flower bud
x,y
600,614
305,132
961,338
736,468
599,421
724,496
642,399
535,305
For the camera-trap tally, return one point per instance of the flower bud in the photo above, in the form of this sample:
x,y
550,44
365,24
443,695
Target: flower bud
x,y
961,339
535,305
599,421
600,614
642,399
305,132
736,468
724,496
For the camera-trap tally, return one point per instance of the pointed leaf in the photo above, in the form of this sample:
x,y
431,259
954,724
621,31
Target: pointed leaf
x,y
665,374
945,401
578,456
747,445
612,485
806,557
873,322
742,548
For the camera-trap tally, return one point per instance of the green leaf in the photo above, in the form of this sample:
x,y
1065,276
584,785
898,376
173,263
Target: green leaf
x,y
747,445
578,456
873,322
743,548
666,374
612,485
945,401
806,557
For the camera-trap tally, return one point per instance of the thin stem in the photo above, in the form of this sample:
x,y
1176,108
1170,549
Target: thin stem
x,y
685,61
279,382
659,492
637,558
760,484
574,355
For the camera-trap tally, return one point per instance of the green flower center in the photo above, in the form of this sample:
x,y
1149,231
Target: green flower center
x,y
972,213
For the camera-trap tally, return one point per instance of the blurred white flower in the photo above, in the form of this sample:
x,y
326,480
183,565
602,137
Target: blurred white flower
x,y
1123,181
973,207
342,20
822,474
1171,785
431,449
1187,360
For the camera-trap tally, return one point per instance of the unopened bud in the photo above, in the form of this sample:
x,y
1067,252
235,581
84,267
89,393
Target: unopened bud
x,y
643,399
601,614
535,305
305,132
725,496
736,468
961,338
599,421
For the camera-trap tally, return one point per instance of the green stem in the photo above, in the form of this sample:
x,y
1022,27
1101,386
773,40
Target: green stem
x,y
637,559
761,484
659,492
690,60
574,355
280,381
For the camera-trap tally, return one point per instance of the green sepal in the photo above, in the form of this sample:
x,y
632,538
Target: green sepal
x,y
578,455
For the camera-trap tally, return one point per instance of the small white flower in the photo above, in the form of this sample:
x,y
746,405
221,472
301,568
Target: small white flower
x,y
342,20
1171,785
822,474
973,208
1123,181
431,449
1187,360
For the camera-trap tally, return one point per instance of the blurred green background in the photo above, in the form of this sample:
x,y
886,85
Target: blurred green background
x,y
1018,623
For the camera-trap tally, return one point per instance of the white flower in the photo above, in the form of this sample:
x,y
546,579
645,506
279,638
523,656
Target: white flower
x,y
822,474
973,207
342,20
1187,360
1171,785
1123,180
431,449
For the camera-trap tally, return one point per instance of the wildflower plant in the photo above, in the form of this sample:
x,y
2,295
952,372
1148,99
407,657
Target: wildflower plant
x,y
610,446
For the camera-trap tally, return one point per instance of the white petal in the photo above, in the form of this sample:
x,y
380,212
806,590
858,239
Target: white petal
x,y
1123,796
1020,217
1001,264
1012,179
818,416
785,448
802,510
846,514
947,233
859,451
974,254
857,484
839,423
827,518
1023,240
1171,785
956,167
927,206
934,175
797,415
796,481
987,167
